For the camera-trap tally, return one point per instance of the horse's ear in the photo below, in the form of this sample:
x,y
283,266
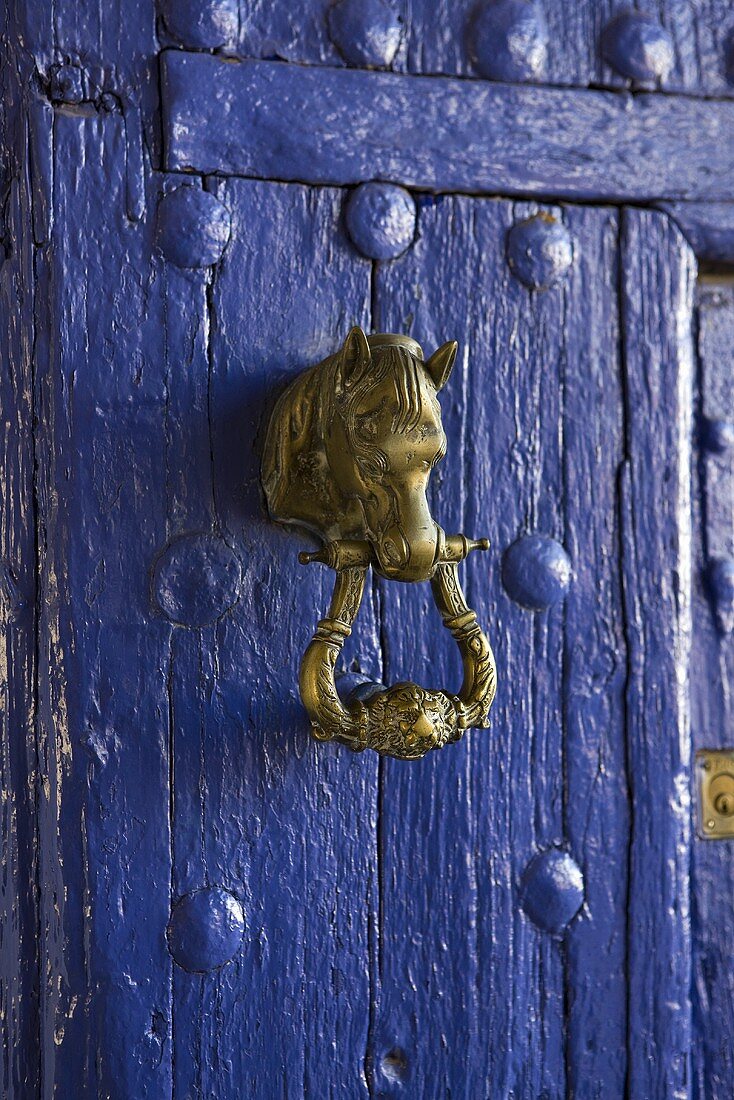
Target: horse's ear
x,y
440,365
356,356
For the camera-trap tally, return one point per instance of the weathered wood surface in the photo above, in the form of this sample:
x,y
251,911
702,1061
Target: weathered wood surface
x,y
289,826
712,707
160,775
707,226
385,949
19,920
535,406
437,38
658,272
333,126
101,407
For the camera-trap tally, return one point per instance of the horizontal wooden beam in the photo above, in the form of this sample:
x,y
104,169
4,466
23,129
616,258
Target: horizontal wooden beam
x,y
273,120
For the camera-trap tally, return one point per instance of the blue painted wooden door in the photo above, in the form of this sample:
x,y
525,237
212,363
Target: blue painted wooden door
x,y
197,900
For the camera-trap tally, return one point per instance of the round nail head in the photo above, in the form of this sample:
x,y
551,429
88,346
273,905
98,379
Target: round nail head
x,y
718,436
729,57
395,1066
720,577
206,929
67,84
539,251
552,890
638,47
196,580
193,227
536,572
508,40
365,32
380,220
208,24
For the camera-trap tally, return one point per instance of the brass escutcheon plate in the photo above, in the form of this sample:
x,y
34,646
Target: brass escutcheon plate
x,y
715,773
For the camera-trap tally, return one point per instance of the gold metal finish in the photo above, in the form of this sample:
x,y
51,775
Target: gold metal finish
x,y
716,793
349,453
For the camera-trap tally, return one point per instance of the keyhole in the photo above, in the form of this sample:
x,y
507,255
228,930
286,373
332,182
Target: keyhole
x,y
724,804
721,793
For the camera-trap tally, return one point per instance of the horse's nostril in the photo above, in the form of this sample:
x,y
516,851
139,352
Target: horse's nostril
x,y
394,552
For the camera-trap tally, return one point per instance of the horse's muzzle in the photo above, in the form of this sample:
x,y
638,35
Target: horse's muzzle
x,y
404,557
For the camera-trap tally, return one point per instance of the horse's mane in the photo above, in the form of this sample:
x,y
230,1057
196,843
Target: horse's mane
x,y
298,482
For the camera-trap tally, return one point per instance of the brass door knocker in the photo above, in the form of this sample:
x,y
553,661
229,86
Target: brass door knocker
x,y
349,451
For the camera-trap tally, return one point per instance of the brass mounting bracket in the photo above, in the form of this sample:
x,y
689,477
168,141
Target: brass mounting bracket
x,y
715,769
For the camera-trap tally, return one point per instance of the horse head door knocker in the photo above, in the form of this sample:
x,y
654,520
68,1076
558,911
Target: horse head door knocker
x,y
348,454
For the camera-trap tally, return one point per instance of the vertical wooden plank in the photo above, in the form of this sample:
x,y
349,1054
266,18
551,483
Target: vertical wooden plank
x,y
595,661
459,828
658,272
286,825
712,710
19,953
104,829
115,48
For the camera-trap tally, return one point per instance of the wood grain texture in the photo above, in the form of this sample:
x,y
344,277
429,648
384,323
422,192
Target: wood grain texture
x,y
711,703
439,34
707,226
385,950
103,661
459,828
19,918
290,825
114,45
442,135
658,271
437,38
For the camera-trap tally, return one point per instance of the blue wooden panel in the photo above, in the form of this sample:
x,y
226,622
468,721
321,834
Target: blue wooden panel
x,y
107,49
434,36
459,829
440,39
596,808
19,948
103,657
276,121
708,227
259,809
374,911
658,271
711,698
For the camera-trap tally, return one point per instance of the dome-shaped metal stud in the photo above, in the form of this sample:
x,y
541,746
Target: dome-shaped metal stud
x,y
206,929
720,582
193,227
206,24
552,890
365,32
729,57
536,572
380,220
638,47
717,436
539,251
67,84
508,40
196,580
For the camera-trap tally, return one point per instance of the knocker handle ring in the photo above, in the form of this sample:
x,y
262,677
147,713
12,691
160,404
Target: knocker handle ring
x,y
405,720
